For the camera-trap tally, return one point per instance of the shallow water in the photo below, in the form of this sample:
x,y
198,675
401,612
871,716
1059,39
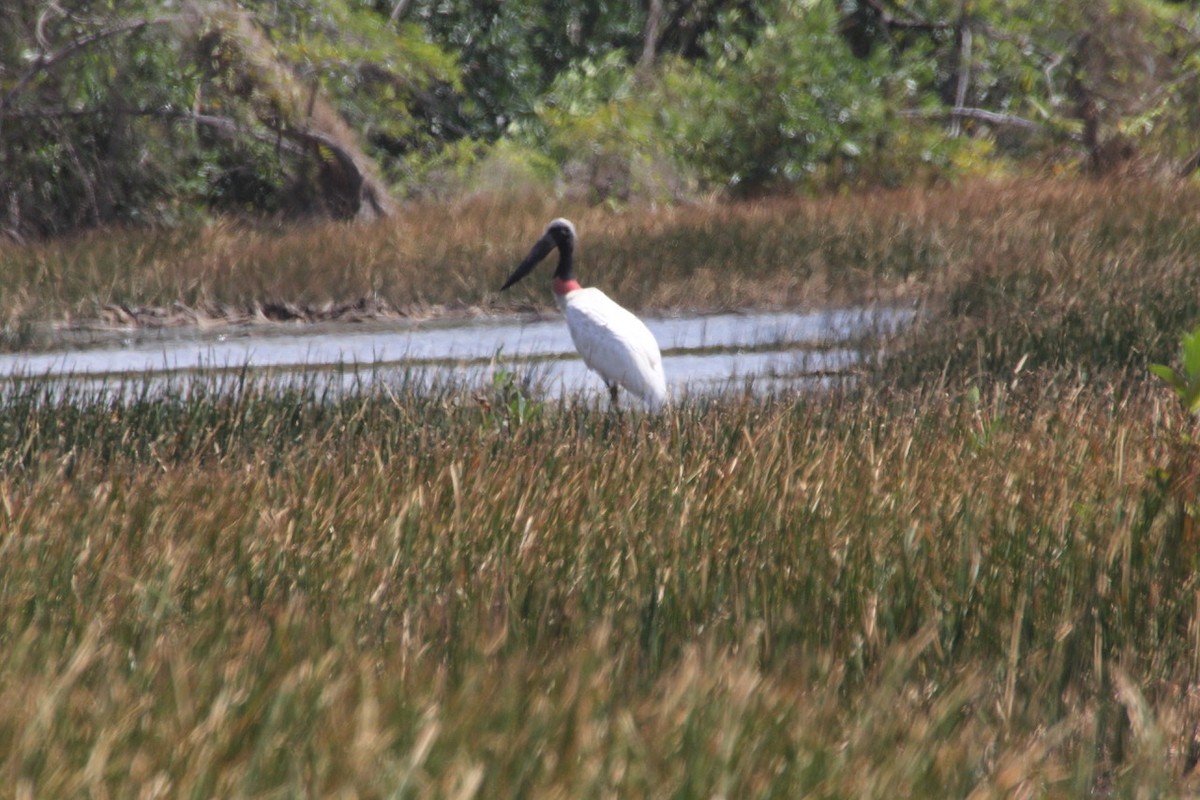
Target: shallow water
x,y
709,353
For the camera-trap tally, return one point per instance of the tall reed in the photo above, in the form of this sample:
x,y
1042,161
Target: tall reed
x,y
409,591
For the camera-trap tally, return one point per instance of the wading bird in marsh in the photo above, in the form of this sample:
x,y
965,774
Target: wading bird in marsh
x,y
612,342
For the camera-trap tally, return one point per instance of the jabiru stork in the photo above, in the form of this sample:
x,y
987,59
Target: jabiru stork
x,y
612,342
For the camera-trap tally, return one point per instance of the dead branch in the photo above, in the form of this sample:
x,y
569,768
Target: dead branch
x,y
354,173
979,114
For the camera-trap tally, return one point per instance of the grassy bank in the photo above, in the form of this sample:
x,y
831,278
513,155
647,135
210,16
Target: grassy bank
x,y
972,575
1061,274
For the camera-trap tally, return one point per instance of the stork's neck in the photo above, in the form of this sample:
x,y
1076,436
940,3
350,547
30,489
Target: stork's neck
x,y
564,273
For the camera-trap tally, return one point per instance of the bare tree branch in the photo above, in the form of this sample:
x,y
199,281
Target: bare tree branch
x,y
650,36
364,188
350,167
964,66
979,114
228,127
399,11
46,61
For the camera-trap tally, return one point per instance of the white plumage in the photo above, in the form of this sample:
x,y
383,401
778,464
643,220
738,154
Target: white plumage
x,y
612,341
615,344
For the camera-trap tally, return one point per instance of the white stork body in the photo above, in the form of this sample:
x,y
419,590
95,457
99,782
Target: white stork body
x,y
615,344
612,342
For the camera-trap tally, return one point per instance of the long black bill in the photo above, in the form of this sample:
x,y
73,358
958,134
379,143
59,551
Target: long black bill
x,y
540,250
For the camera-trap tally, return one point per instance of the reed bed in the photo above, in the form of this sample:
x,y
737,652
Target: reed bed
x,y
413,591
974,573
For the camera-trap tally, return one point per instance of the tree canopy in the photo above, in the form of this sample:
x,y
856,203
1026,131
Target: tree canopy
x,y
152,110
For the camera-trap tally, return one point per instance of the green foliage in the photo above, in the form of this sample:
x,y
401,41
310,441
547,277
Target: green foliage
x,y
1104,82
512,403
376,73
149,112
791,107
599,121
81,142
470,166
784,105
143,112
337,68
512,51
1185,382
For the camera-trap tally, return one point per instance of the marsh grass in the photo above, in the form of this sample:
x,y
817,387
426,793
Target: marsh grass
x,y
1071,274
229,591
972,574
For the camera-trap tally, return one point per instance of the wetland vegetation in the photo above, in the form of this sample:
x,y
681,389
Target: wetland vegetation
x,y
970,572
974,572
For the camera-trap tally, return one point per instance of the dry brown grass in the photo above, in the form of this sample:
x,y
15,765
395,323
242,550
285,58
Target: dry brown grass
x,y
977,581
873,595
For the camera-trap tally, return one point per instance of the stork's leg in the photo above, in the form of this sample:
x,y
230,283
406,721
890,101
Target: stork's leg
x,y
612,393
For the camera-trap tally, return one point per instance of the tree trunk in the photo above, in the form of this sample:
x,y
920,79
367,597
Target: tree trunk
x,y
650,37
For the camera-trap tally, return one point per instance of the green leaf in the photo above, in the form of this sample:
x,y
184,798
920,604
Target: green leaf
x,y
1169,375
1190,351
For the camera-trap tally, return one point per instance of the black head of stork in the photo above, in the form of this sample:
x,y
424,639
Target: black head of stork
x,y
559,233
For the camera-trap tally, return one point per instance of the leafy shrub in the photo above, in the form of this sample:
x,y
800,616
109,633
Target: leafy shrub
x,y
599,122
472,166
794,106
781,106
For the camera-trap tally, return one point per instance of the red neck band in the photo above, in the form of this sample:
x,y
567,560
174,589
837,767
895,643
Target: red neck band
x,y
567,286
